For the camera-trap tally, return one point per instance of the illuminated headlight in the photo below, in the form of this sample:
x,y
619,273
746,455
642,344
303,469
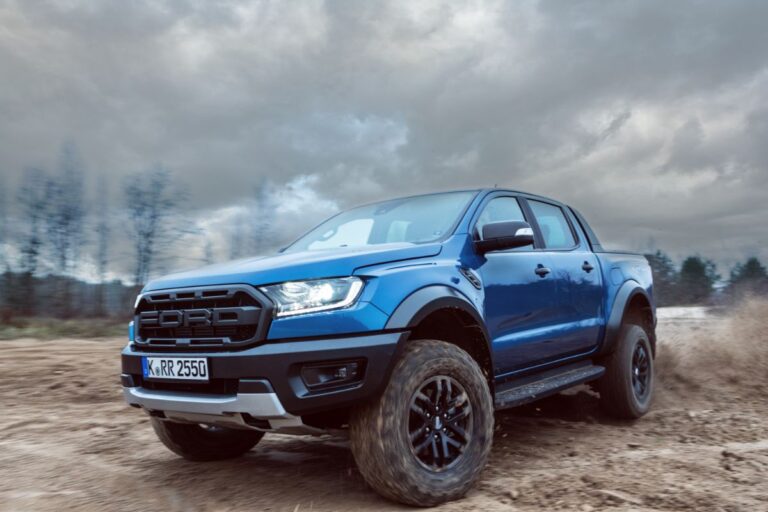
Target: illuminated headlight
x,y
299,297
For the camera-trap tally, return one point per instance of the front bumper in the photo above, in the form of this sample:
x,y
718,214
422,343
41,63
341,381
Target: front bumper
x,y
263,382
263,405
262,411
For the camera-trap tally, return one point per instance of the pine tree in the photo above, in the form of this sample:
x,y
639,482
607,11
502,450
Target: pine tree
x,y
665,278
697,280
749,277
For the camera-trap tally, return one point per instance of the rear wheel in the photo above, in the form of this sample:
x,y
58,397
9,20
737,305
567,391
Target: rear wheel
x,y
205,443
426,440
626,389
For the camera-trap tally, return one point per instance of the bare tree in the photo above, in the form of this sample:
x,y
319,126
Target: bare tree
x,y
3,226
102,241
237,237
5,271
31,200
65,210
65,216
261,225
151,203
251,232
102,230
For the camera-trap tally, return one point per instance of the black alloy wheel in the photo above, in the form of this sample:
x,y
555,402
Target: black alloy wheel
x,y
440,423
626,388
426,438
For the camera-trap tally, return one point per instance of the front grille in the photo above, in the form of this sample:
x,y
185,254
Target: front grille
x,y
201,319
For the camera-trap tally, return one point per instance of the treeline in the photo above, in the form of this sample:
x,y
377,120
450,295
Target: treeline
x,y
697,282
23,296
55,228
56,224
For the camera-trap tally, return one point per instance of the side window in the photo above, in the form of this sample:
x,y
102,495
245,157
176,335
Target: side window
x,y
500,209
554,226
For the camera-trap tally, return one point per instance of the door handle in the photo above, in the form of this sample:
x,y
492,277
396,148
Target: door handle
x,y
586,267
542,271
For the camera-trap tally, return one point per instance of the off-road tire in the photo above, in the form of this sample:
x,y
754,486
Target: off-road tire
x,y
197,443
379,435
618,395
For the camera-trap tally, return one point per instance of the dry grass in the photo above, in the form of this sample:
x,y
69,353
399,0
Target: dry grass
x,y
52,328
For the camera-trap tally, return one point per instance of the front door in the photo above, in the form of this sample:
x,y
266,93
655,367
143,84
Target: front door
x,y
519,301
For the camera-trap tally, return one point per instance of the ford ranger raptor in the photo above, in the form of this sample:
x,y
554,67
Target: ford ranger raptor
x,y
404,323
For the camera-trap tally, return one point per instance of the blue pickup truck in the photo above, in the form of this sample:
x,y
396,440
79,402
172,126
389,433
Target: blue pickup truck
x,y
404,323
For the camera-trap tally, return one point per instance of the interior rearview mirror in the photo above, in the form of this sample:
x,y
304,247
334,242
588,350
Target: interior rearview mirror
x,y
497,236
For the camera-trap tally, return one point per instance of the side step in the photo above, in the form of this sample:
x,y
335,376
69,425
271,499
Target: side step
x,y
526,390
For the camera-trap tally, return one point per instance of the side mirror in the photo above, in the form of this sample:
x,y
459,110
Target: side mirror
x,y
498,236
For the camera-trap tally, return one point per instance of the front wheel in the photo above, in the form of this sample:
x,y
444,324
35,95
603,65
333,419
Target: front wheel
x,y
626,389
427,438
204,443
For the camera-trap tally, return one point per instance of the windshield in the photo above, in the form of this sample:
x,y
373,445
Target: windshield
x,y
415,220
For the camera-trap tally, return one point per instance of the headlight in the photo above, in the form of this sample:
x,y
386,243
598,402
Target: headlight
x,y
299,297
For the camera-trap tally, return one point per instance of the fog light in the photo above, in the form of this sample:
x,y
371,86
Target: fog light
x,y
318,376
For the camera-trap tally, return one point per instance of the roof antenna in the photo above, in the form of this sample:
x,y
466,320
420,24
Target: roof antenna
x,y
495,185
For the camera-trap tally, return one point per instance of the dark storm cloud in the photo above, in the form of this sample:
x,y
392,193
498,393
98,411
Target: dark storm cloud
x,y
649,116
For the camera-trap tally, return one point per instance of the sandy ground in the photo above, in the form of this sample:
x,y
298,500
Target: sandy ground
x,y
67,442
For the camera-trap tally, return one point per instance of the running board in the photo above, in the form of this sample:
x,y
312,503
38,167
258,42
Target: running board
x,y
552,382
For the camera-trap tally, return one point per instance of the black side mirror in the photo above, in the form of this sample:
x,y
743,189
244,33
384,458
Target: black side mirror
x,y
498,236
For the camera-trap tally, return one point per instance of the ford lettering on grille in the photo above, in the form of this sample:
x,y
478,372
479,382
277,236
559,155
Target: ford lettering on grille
x,y
199,317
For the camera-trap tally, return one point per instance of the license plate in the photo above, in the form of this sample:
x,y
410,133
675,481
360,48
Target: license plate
x,y
175,368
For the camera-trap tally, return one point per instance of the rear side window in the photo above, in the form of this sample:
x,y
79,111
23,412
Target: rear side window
x,y
500,209
554,226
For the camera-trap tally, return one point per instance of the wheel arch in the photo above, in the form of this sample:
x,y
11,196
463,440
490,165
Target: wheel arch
x,y
443,313
632,303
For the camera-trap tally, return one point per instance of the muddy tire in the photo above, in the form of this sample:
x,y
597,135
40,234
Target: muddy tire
x,y
626,389
426,439
197,443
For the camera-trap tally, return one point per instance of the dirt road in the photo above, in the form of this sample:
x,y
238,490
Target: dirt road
x,y
67,442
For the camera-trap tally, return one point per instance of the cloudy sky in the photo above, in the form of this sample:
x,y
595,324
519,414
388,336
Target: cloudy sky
x,y
649,116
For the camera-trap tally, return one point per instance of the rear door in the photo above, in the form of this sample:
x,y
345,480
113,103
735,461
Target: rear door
x,y
576,276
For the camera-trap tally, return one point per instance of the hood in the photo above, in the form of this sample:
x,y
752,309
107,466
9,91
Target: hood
x,y
294,266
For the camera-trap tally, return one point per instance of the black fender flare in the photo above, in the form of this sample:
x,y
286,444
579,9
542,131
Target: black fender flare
x,y
424,301
628,291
